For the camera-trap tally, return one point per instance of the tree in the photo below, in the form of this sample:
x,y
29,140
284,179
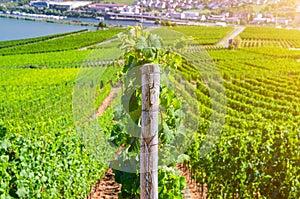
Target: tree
x,y
102,24
156,22
168,23
243,22
3,8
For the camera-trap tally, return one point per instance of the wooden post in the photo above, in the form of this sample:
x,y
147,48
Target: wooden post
x,y
149,134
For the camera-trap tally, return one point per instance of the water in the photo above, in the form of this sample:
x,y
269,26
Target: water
x,y
107,21
11,29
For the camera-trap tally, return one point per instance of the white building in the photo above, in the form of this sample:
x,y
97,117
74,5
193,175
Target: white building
x,y
39,4
191,15
66,5
177,15
298,8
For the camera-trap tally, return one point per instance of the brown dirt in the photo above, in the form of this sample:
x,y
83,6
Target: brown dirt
x,y
108,100
106,188
192,189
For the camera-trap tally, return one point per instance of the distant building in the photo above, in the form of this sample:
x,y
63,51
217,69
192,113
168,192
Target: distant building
x,y
200,6
242,16
282,21
216,18
176,15
297,17
104,7
223,24
66,5
190,15
202,18
259,20
232,20
39,4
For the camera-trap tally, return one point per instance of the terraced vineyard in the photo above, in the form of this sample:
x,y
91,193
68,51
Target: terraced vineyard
x,y
41,152
257,153
69,42
42,155
270,37
6,44
202,35
247,144
64,59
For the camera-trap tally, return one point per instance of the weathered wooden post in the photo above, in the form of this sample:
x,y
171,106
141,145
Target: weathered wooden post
x,y
149,134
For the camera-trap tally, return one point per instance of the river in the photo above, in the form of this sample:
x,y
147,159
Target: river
x,y
11,29
107,21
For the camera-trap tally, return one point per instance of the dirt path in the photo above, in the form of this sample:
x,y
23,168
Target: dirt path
x,y
98,44
231,35
108,100
106,188
192,189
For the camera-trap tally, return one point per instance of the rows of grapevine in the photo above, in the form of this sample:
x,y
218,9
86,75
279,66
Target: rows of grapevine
x,y
272,37
43,153
213,47
274,52
69,42
19,42
204,35
257,153
259,32
271,43
63,59
255,156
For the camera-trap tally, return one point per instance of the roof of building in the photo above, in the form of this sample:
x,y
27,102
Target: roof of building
x,y
105,5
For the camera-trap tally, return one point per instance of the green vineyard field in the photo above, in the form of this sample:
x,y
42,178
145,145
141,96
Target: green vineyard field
x,y
257,153
270,37
69,42
248,101
202,35
6,44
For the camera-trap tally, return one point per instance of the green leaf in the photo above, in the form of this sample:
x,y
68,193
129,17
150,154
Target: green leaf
x,y
5,144
22,191
182,182
155,41
182,157
4,158
141,44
